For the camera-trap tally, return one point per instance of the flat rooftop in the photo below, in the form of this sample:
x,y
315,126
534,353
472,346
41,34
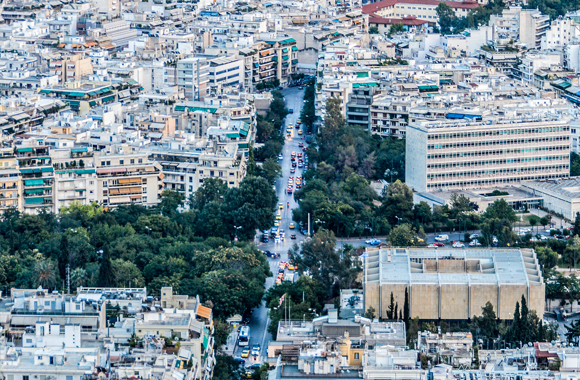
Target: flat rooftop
x,y
452,266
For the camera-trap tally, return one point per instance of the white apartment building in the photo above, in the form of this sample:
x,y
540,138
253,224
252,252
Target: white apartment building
x,y
226,71
562,32
535,61
193,77
390,115
443,155
533,27
75,177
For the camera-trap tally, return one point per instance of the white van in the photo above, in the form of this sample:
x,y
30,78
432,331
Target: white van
x,y
442,238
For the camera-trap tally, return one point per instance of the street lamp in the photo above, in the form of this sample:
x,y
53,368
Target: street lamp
x,y
391,173
398,219
236,233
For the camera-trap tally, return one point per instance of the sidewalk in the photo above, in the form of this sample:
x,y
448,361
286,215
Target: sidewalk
x,y
558,222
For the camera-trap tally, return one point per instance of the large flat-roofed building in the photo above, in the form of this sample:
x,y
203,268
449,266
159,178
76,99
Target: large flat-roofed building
x,y
486,153
452,284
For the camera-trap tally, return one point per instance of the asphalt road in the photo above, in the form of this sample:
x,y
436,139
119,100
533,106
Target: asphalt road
x,y
259,320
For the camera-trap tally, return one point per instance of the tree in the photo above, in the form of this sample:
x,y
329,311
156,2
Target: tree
x,y
170,201
402,236
106,276
391,309
486,323
272,170
370,313
406,311
447,17
45,275
533,220
374,29
500,209
574,164
576,229
78,277
212,190
544,221
396,28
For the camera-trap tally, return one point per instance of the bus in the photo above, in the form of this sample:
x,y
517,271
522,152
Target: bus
x,y
244,336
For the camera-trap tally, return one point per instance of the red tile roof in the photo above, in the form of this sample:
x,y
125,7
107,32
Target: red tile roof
x,y
373,7
408,21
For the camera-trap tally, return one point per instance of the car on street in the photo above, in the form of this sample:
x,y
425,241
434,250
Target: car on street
x,y
290,110
373,241
458,244
442,238
300,165
289,190
255,366
256,350
281,206
293,236
292,170
432,246
292,225
245,353
473,236
300,145
300,132
247,375
239,360
438,244
474,243
280,157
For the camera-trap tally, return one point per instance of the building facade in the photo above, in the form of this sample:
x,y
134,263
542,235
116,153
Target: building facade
x,y
193,77
466,154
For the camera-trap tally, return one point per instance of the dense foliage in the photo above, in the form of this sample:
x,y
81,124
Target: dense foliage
x,y
574,164
137,246
308,113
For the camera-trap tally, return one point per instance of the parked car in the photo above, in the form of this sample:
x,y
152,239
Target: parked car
x,y
458,244
432,246
438,244
280,157
474,243
290,110
442,238
373,241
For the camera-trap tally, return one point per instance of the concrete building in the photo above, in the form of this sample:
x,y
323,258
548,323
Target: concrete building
x,y
72,68
10,181
494,152
421,9
193,77
560,196
37,177
562,32
226,71
453,284
533,27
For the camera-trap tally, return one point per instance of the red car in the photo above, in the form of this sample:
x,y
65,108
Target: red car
x,y
439,244
300,145
289,190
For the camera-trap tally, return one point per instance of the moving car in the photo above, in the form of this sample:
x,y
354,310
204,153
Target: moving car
x,y
458,244
281,206
439,244
292,170
474,243
256,350
442,238
245,353
292,225
293,236
373,241
300,132
290,110
432,246
298,122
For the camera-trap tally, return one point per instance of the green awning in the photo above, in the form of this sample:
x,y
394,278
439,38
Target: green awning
x,y
285,64
45,91
33,201
284,57
76,94
270,42
47,170
294,48
132,81
285,50
179,108
243,146
72,102
23,150
33,191
93,103
79,150
294,61
34,182
362,75
275,58
204,109
43,158
288,41
104,90
79,190
108,98
233,135
243,133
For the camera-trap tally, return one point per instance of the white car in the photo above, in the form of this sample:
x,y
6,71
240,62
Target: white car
x,y
534,239
473,236
458,244
442,238
280,157
432,246
474,243
373,242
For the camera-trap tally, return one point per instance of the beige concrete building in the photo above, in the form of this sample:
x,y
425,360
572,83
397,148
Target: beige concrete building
x,y
487,152
452,284
10,181
71,69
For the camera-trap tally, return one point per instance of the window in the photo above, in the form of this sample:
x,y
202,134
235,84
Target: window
x,y
132,161
121,162
108,163
140,160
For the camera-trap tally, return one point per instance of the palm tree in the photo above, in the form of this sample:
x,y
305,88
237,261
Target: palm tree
x,y
78,277
45,275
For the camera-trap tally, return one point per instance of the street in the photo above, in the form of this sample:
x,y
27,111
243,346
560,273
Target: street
x,y
259,319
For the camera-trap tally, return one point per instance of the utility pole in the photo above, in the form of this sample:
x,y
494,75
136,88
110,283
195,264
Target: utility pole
x,y
308,224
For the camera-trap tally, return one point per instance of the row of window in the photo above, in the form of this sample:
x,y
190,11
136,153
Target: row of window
x,y
498,152
498,142
504,171
486,182
122,162
527,131
496,162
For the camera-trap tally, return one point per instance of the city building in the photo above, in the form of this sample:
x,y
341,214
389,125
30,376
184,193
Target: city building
x,y
193,77
452,284
490,152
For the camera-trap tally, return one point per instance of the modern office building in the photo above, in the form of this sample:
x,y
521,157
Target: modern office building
x,y
452,284
485,153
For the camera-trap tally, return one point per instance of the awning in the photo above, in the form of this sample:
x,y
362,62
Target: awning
x,y
108,98
232,135
32,201
284,57
285,50
23,150
204,312
34,182
33,191
79,150
294,48
47,170
362,75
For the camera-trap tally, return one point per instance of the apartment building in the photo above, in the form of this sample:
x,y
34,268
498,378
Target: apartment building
x,y
270,60
75,177
421,9
193,77
37,175
10,181
359,104
72,68
226,71
464,154
562,32
128,178
533,27
389,115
